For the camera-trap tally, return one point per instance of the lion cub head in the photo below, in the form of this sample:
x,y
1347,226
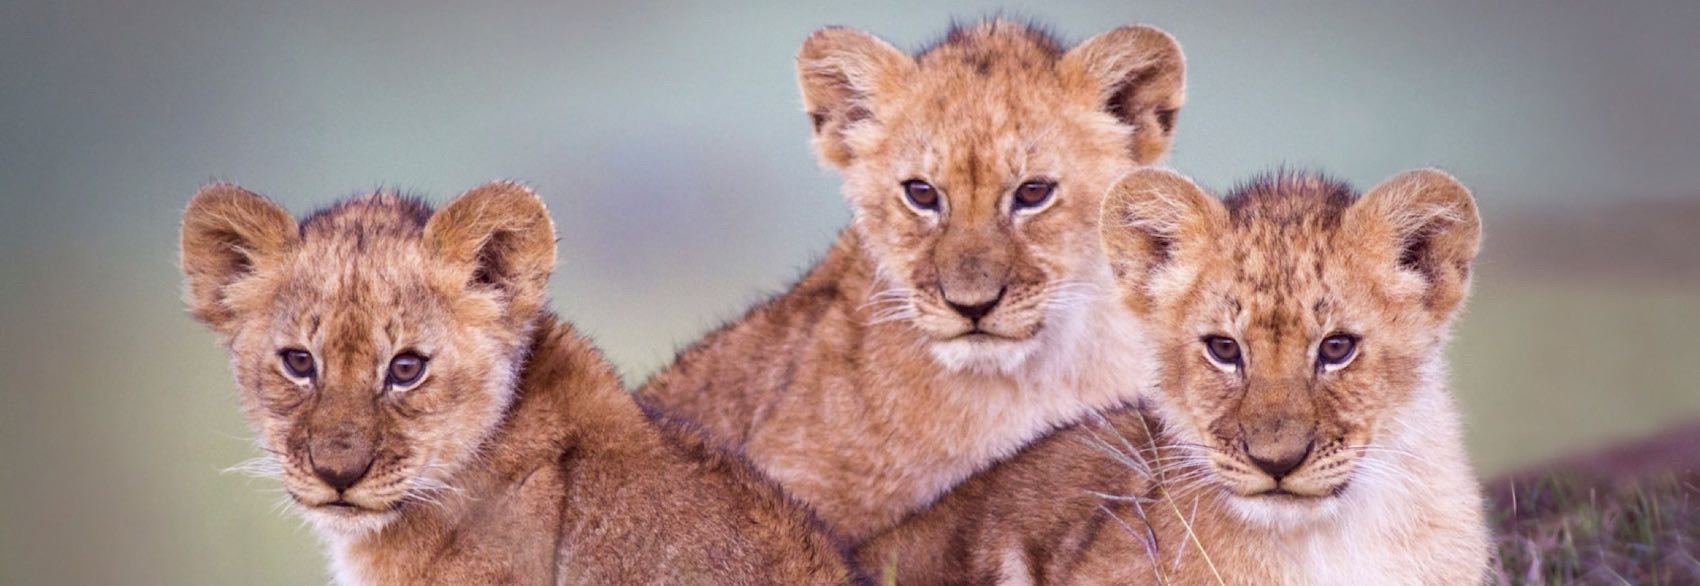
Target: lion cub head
x,y
976,168
375,343
1294,322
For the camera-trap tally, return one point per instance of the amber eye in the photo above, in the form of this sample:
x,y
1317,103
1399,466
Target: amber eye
x,y
1223,349
298,363
921,194
406,368
1033,194
1336,350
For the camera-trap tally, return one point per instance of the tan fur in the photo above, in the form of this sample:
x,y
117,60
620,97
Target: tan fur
x,y
518,458
860,390
1168,493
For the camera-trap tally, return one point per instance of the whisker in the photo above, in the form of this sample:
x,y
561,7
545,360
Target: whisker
x,y
266,466
1386,450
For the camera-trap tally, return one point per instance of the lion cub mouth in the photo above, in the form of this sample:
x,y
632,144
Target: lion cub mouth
x,y
1284,495
1281,494
343,506
978,334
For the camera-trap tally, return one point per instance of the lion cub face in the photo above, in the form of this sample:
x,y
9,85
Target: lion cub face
x,y
976,170
376,343
1292,320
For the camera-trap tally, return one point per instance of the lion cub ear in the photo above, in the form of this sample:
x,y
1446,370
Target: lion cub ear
x,y
841,70
1137,74
498,237
1147,216
228,235
1423,224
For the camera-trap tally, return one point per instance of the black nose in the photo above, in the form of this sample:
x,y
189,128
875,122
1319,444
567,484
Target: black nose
x,y
341,473
975,311
1280,464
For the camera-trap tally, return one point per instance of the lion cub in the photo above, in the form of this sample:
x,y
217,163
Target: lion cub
x,y
969,307
436,423
1299,430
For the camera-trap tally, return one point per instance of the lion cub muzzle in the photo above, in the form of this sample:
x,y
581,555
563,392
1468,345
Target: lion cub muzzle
x,y
341,443
973,272
340,460
1277,430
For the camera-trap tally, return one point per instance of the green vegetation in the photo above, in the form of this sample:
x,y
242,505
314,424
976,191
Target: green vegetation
x,y
1563,530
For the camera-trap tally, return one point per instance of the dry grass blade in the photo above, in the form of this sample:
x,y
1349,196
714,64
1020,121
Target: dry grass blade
x,y
1563,529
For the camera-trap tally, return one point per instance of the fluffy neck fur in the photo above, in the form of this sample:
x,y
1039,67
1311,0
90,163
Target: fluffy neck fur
x,y
1412,515
857,417
971,415
1080,363
1103,502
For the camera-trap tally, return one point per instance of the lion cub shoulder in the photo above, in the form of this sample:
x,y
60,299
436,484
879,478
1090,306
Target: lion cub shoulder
x,y
1298,429
953,321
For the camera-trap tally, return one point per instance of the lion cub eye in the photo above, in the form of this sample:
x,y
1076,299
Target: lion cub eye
x,y
921,195
1336,350
298,363
1033,194
1223,350
406,368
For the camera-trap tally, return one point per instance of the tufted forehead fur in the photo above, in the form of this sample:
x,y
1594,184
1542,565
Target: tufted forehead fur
x,y
1278,202
991,107
355,285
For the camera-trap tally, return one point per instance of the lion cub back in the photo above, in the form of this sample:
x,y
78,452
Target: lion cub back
x,y
1040,513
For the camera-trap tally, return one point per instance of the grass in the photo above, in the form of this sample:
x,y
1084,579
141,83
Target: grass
x,y
1568,529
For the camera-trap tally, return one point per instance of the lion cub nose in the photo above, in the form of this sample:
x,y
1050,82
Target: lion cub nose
x,y
340,464
974,311
1278,462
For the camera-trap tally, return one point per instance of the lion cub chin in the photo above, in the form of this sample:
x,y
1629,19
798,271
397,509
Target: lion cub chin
x,y
968,308
1298,429
436,423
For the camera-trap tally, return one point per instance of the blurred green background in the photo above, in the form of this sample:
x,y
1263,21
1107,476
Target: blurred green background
x,y
670,144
